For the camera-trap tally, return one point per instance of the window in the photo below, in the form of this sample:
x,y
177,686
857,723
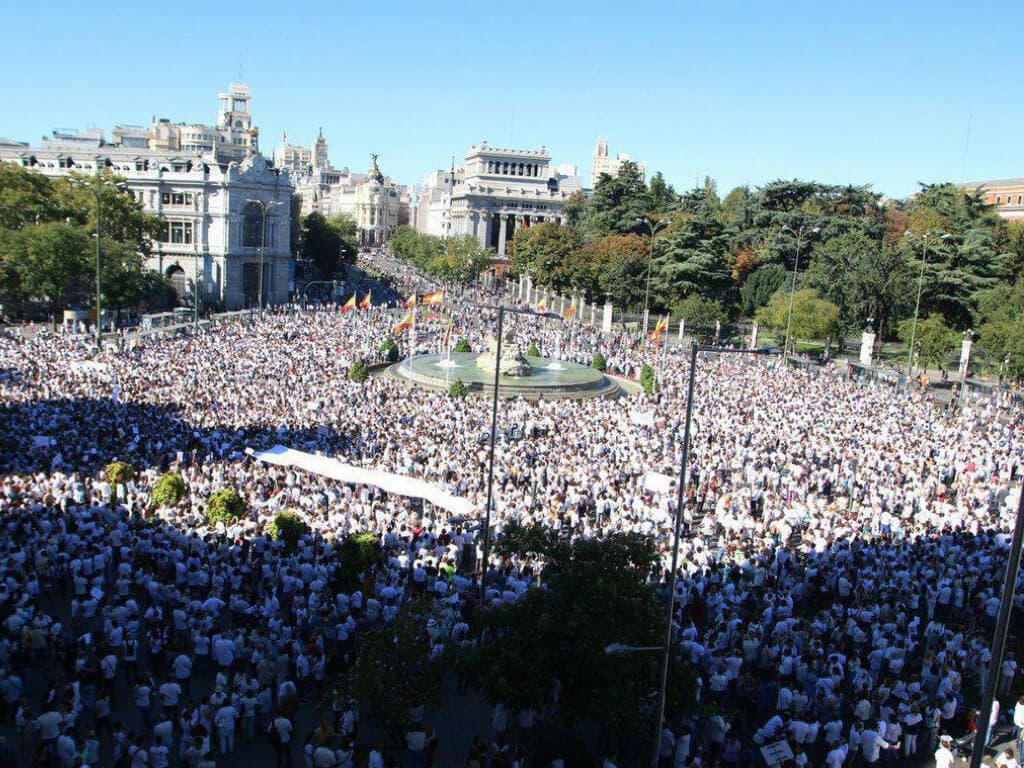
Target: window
x,y
176,198
252,221
238,105
177,232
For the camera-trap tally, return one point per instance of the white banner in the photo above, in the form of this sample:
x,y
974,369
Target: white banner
x,y
657,482
347,473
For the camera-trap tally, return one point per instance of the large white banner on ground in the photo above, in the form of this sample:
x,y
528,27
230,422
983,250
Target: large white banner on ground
x,y
347,473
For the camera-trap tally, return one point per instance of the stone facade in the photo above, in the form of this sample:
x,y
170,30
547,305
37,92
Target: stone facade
x,y
213,213
1005,195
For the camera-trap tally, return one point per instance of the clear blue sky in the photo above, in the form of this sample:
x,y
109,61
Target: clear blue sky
x,y
746,92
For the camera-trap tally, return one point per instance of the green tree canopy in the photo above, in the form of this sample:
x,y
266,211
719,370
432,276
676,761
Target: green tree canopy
x,y
616,204
327,244
933,339
813,318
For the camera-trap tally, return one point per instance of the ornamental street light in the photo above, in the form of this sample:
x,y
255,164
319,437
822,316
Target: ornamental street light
x,y
263,206
695,350
97,187
917,303
653,226
799,232
501,309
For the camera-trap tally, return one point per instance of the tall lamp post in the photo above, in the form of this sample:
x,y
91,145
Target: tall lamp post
x,y
917,303
263,206
501,309
97,188
666,648
653,227
799,232
995,662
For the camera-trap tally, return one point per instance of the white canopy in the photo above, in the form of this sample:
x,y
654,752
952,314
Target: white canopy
x,y
347,473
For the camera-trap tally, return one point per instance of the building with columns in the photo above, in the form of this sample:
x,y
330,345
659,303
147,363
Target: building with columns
x,y
603,163
221,219
492,195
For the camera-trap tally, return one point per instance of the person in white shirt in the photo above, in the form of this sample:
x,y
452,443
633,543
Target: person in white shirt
x,y
944,754
225,720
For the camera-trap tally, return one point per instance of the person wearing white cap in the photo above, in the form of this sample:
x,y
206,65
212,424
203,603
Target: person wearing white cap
x,y
944,754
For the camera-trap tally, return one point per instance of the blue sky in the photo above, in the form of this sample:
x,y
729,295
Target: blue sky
x,y
746,92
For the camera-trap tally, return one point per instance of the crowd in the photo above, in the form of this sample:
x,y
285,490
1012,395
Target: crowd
x,y
840,570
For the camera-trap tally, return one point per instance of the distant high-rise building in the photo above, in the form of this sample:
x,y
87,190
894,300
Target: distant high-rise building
x,y
603,163
298,160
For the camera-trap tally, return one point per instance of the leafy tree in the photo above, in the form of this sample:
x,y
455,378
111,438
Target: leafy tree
x,y
598,363
389,348
933,339
737,211
358,372
328,245
813,318
615,264
647,379
119,472
701,312
461,259
693,259
663,197
289,527
52,262
357,555
616,204
574,208
26,197
394,669
542,250
532,350
168,490
458,389
759,287
463,346
1001,326
223,506
596,592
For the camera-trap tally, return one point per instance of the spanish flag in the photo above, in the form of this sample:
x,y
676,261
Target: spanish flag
x,y
365,303
448,333
567,315
406,323
350,304
410,302
542,305
434,298
660,328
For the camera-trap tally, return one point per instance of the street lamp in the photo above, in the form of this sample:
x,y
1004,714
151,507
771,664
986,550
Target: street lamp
x,y
97,188
653,226
502,309
799,232
263,205
917,303
695,350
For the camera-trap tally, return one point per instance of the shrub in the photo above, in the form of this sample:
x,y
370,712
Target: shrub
x,y
390,349
533,351
458,389
359,371
119,472
647,379
463,346
224,505
358,553
288,527
598,362
168,490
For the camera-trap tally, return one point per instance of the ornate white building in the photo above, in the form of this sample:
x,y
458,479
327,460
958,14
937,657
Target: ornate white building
x,y
373,200
221,219
610,165
495,193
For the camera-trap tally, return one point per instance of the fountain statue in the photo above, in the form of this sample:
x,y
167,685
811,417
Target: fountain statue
x,y
512,363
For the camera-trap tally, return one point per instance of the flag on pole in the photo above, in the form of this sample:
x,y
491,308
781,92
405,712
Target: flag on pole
x,y
365,303
542,305
434,298
567,315
350,304
448,333
660,328
410,302
406,322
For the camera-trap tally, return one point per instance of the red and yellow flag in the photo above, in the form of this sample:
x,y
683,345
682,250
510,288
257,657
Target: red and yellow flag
x,y
542,305
350,304
406,322
434,298
365,303
660,328
448,333
410,302
567,315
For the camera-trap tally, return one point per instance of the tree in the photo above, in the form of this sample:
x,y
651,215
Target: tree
x,y
358,372
458,389
933,339
328,245
663,196
759,287
737,211
615,264
596,592
813,318
26,197
168,490
461,259
52,262
616,204
701,312
223,506
693,258
598,363
288,527
1000,319
542,250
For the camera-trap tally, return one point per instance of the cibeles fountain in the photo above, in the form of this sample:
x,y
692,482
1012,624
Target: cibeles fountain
x,y
519,375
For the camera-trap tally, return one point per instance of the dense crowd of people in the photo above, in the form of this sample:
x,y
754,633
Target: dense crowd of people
x,y
840,572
